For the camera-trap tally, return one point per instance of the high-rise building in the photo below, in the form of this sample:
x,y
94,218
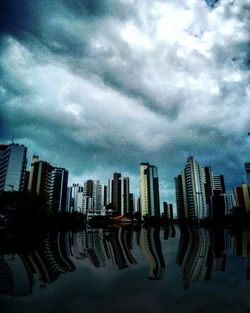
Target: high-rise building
x,y
126,193
104,196
168,210
70,200
247,169
212,183
190,191
26,181
242,197
221,204
219,183
149,190
88,188
97,195
181,205
49,182
58,189
115,193
77,189
89,199
13,163
208,183
40,177
131,209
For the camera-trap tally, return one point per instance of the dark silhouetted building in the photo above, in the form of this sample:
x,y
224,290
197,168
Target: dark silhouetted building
x,y
58,189
13,163
115,193
40,177
149,190
247,169
168,210
242,197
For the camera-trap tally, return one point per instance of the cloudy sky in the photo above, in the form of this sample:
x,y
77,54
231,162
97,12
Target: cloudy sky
x,y
99,86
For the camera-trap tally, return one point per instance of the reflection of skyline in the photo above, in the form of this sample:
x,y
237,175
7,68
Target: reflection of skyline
x,y
15,277
150,244
195,257
201,253
57,252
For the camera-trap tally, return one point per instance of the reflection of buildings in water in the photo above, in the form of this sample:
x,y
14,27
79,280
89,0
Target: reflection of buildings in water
x,y
99,246
173,231
246,250
89,245
228,241
241,243
219,250
78,244
47,261
116,244
119,245
169,232
150,245
241,247
50,259
54,254
16,279
195,256
125,237
94,249
201,253
237,244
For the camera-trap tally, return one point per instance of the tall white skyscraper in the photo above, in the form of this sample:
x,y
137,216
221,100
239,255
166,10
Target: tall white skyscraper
x,y
13,163
190,191
76,190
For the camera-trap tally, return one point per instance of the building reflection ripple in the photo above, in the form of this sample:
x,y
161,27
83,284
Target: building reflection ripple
x,y
201,253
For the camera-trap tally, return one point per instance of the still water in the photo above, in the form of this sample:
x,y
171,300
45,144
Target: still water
x,y
125,269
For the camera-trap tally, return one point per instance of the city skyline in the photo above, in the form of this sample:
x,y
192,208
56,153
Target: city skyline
x,y
199,192
167,80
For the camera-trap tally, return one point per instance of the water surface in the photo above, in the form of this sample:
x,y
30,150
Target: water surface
x,y
126,269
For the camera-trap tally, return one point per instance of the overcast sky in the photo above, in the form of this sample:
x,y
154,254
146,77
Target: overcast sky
x,y
99,86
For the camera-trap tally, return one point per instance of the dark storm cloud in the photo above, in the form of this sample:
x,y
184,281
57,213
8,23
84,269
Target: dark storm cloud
x,y
125,86
108,84
211,3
